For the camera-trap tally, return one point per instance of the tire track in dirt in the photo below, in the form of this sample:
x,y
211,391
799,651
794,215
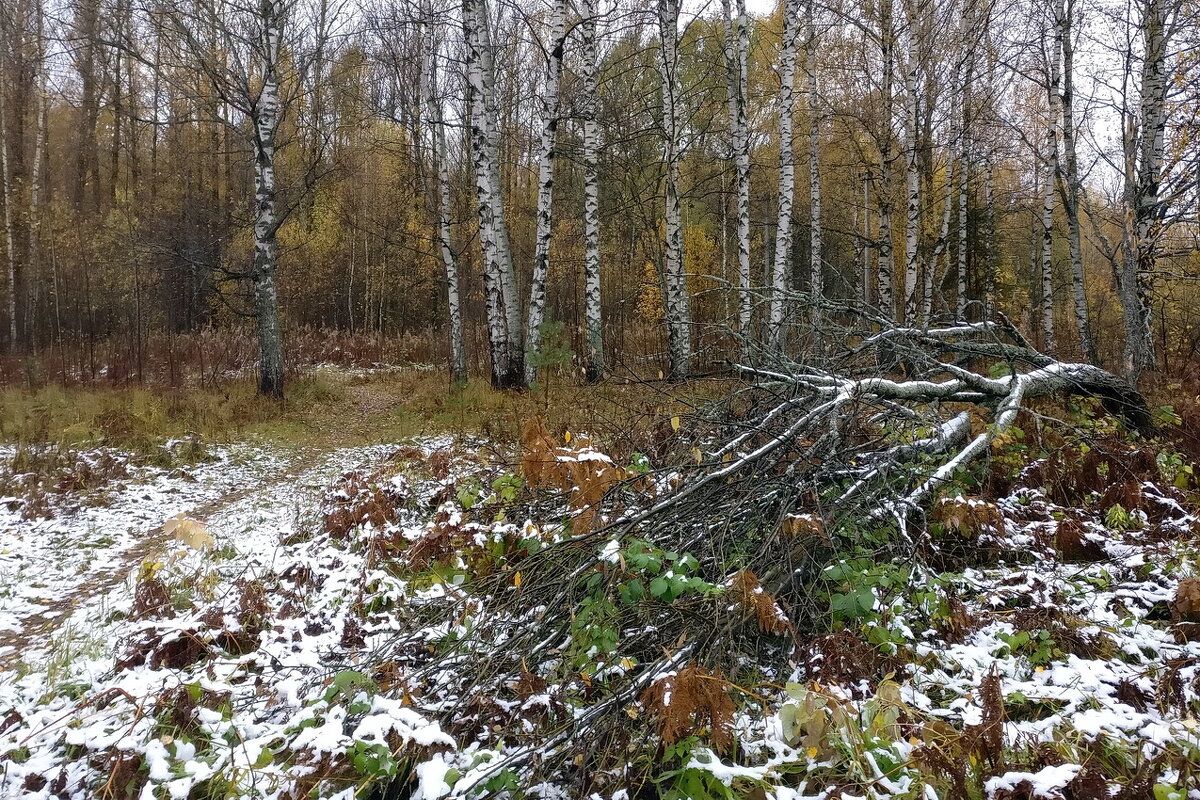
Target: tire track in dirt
x,y
304,467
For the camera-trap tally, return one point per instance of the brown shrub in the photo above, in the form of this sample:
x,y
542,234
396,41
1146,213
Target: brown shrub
x,y
690,701
1185,607
360,499
747,592
151,598
969,516
170,649
1073,544
578,469
844,659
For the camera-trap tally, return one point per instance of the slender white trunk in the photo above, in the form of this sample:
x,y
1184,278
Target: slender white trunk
x,y
912,217
437,135
591,196
545,198
1070,180
885,271
266,220
1050,156
675,282
1142,192
9,240
817,279
35,176
864,243
737,44
503,311
989,238
941,248
787,172
964,183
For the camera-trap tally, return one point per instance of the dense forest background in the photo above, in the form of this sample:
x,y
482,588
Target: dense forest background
x,y
954,156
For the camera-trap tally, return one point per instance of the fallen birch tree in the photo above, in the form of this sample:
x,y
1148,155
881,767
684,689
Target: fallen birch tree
x,y
796,465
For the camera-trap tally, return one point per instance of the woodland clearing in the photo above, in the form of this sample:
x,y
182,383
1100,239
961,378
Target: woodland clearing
x,y
457,616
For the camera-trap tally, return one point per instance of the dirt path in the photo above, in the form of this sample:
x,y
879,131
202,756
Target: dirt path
x,y
56,572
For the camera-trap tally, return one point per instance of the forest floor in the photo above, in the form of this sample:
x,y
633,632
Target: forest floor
x,y
1046,644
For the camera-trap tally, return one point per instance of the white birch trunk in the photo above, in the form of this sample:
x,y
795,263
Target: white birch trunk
x,y
912,217
941,248
675,282
964,185
9,235
816,265
885,272
737,45
864,244
787,173
504,318
545,197
1050,161
1142,194
595,367
266,219
437,135
35,177
1070,180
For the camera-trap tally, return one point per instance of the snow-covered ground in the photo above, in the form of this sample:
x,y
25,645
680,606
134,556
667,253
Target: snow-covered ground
x,y
258,671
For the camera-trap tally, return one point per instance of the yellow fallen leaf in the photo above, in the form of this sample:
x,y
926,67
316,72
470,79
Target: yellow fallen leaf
x,y
191,532
675,423
567,437
517,580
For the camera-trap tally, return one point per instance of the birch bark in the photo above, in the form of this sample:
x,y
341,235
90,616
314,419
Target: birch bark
x,y
737,45
964,175
545,198
266,218
9,235
595,367
433,105
816,265
885,270
677,302
1143,207
1050,161
912,217
504,318
787,173
1069,179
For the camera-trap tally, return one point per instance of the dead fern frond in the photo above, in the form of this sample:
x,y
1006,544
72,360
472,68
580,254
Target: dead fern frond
x,y
756,601
688,703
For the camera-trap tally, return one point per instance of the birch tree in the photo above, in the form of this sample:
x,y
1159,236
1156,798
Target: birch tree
x,y
678,313
264,113
251,53
545,197
1069,184
594,362
503,311
787,173
1051,169
7,185
1144,212
437,135
885,277
737,47
912,177
817,265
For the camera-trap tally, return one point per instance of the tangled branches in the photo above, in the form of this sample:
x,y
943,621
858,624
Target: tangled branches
x,y
711,568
